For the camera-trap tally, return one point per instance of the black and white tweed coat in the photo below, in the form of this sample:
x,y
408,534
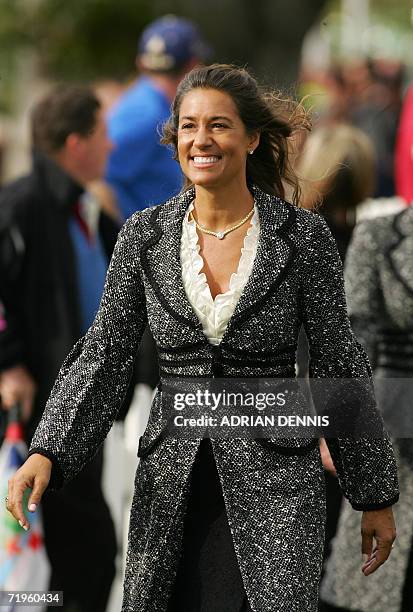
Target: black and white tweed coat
x,y
379,284
274,493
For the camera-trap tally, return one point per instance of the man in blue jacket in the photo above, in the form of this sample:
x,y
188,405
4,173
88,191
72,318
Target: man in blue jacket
x,y
141,171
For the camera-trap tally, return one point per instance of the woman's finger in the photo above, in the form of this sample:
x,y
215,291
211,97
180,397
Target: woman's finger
x,y
380,554
39,487
9,494
366,545
16,503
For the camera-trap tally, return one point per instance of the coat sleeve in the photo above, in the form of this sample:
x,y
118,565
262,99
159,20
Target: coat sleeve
x,y
362,282
365,465
93,379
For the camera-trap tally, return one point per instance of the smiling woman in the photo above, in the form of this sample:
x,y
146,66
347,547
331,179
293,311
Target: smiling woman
x,y
228,135
211,147
226,273
223,105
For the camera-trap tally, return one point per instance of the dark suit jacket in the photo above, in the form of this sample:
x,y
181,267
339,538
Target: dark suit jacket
x,y
273,489
38,286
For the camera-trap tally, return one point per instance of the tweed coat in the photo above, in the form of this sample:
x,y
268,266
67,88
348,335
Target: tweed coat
x,y
273,492
379,284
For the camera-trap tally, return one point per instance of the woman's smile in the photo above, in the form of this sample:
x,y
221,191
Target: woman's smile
x,y
212,140
205,161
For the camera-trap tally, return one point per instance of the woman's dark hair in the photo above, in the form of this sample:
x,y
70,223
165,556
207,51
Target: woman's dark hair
x,y
277,119
67,109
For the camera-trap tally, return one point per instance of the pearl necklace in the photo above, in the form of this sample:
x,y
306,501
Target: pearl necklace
x,y
220,235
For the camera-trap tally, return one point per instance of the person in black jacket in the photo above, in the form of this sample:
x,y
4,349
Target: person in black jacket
x,y
54,249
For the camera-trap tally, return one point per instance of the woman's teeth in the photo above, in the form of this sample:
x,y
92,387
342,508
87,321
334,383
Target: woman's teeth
x,y
205,160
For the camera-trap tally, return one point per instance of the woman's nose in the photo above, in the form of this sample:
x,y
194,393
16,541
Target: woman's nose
x,y
202,137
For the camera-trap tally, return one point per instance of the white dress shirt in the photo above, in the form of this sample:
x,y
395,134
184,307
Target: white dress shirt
x,y
214,314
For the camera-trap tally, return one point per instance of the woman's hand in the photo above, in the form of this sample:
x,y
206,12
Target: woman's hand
x,y
34,474
326,458
380,525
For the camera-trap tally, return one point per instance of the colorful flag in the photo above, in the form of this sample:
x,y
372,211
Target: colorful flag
x,y
24,565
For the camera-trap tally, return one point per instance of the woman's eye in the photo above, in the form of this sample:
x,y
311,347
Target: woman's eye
x,y
219,125
187,126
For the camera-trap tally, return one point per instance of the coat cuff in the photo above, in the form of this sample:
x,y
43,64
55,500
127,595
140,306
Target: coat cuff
x,y
377,506
56,478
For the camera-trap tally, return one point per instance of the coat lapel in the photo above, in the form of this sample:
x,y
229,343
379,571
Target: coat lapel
x,y
161,259
274,254
162,263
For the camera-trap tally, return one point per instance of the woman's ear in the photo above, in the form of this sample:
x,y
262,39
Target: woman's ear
x,y
254,141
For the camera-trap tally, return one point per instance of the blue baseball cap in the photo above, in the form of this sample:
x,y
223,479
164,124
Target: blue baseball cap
x,y
169,43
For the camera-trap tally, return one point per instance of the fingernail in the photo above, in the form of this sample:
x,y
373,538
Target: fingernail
x,y
25,527
32,507
21,524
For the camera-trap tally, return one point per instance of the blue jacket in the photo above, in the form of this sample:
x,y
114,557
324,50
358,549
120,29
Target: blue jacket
x,y
141,171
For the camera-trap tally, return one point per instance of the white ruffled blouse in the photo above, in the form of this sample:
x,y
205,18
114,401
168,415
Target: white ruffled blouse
x,y
214,314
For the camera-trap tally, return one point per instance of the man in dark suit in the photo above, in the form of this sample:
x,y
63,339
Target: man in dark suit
x,y
54,249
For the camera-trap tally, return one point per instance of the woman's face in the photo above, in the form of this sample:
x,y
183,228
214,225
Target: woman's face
x,y
212,141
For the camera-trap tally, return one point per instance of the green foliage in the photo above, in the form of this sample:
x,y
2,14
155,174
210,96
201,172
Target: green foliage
x,y
394,12
388,33
76,39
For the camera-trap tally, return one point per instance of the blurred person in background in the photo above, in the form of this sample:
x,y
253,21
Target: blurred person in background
x,y
141,171
337,166
403,157
375,109
108,92
379,287
325,92
54,250
339,94
366,94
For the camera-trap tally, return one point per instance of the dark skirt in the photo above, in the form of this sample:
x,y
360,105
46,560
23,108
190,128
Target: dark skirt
x,y
208,577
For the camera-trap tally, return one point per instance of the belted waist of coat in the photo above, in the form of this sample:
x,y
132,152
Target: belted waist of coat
x,y
144,450
395,349
168,387
220,360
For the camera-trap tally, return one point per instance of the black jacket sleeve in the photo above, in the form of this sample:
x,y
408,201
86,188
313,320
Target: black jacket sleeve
x,y
12,253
